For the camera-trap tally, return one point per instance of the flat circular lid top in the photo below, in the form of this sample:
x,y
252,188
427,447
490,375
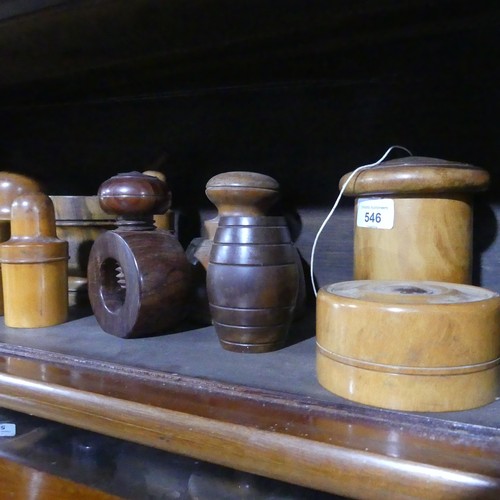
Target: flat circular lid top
x,y
416,175
241,179
410,292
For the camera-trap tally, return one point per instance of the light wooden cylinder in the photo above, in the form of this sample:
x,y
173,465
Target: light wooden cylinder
x,y
425,206
34,266
25,306
417,346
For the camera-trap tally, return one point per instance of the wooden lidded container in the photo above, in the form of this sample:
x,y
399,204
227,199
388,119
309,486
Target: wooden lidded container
x,y
413,219
416,346
34,266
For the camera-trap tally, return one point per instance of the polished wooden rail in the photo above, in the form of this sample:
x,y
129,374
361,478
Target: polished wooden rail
x,y
349,450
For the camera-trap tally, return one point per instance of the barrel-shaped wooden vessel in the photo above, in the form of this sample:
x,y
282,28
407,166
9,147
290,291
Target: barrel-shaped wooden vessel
x,y
418,346
252,283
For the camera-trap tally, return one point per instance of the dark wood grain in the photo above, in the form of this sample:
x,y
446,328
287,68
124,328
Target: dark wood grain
x,y
21,481
269,433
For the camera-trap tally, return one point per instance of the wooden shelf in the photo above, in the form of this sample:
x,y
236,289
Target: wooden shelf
x,y
263,414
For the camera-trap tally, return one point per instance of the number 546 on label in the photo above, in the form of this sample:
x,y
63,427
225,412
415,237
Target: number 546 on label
x,y
376,213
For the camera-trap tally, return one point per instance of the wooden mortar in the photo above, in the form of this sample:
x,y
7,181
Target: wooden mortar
x,y
430,235
418,346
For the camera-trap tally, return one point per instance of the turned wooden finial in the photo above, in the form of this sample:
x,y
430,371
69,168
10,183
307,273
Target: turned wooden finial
x,y
240,194
11,186
134,198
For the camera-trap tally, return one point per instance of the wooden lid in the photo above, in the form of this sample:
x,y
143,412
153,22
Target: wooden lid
x,y
410,324
416,175
239,179
33,233
242,193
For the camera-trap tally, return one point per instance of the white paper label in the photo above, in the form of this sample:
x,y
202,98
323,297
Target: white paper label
x,y
7,430
376,213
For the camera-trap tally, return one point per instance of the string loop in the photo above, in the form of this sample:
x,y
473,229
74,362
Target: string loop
x,y
337,201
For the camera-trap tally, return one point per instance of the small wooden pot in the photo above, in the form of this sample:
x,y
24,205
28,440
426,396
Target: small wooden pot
x,y
34,266
252,283
413,219
418,346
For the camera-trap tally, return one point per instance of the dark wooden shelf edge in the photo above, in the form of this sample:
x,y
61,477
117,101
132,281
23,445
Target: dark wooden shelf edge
x,y
351,451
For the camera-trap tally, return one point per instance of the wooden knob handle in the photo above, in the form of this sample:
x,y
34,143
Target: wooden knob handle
x,y
11,186
242,193
134,194
32,216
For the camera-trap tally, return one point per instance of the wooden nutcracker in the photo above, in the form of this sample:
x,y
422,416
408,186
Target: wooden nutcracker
x,y
138,276
34,266
414,219
11,186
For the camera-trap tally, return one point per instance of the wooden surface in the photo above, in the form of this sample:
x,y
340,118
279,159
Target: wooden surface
x,y
309,439
22,482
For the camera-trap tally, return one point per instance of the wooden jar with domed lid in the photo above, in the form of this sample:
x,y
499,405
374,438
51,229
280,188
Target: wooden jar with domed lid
x,y
413,219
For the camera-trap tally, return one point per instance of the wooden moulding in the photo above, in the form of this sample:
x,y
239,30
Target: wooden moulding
x,y
356,452
418,346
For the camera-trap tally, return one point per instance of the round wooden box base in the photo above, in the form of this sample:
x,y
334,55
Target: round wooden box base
x,y
396,391
417,346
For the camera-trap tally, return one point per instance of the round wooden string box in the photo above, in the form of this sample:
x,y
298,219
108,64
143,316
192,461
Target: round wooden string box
x,y
416,346
413,219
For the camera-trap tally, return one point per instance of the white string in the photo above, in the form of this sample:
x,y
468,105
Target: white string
x,y
337,201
